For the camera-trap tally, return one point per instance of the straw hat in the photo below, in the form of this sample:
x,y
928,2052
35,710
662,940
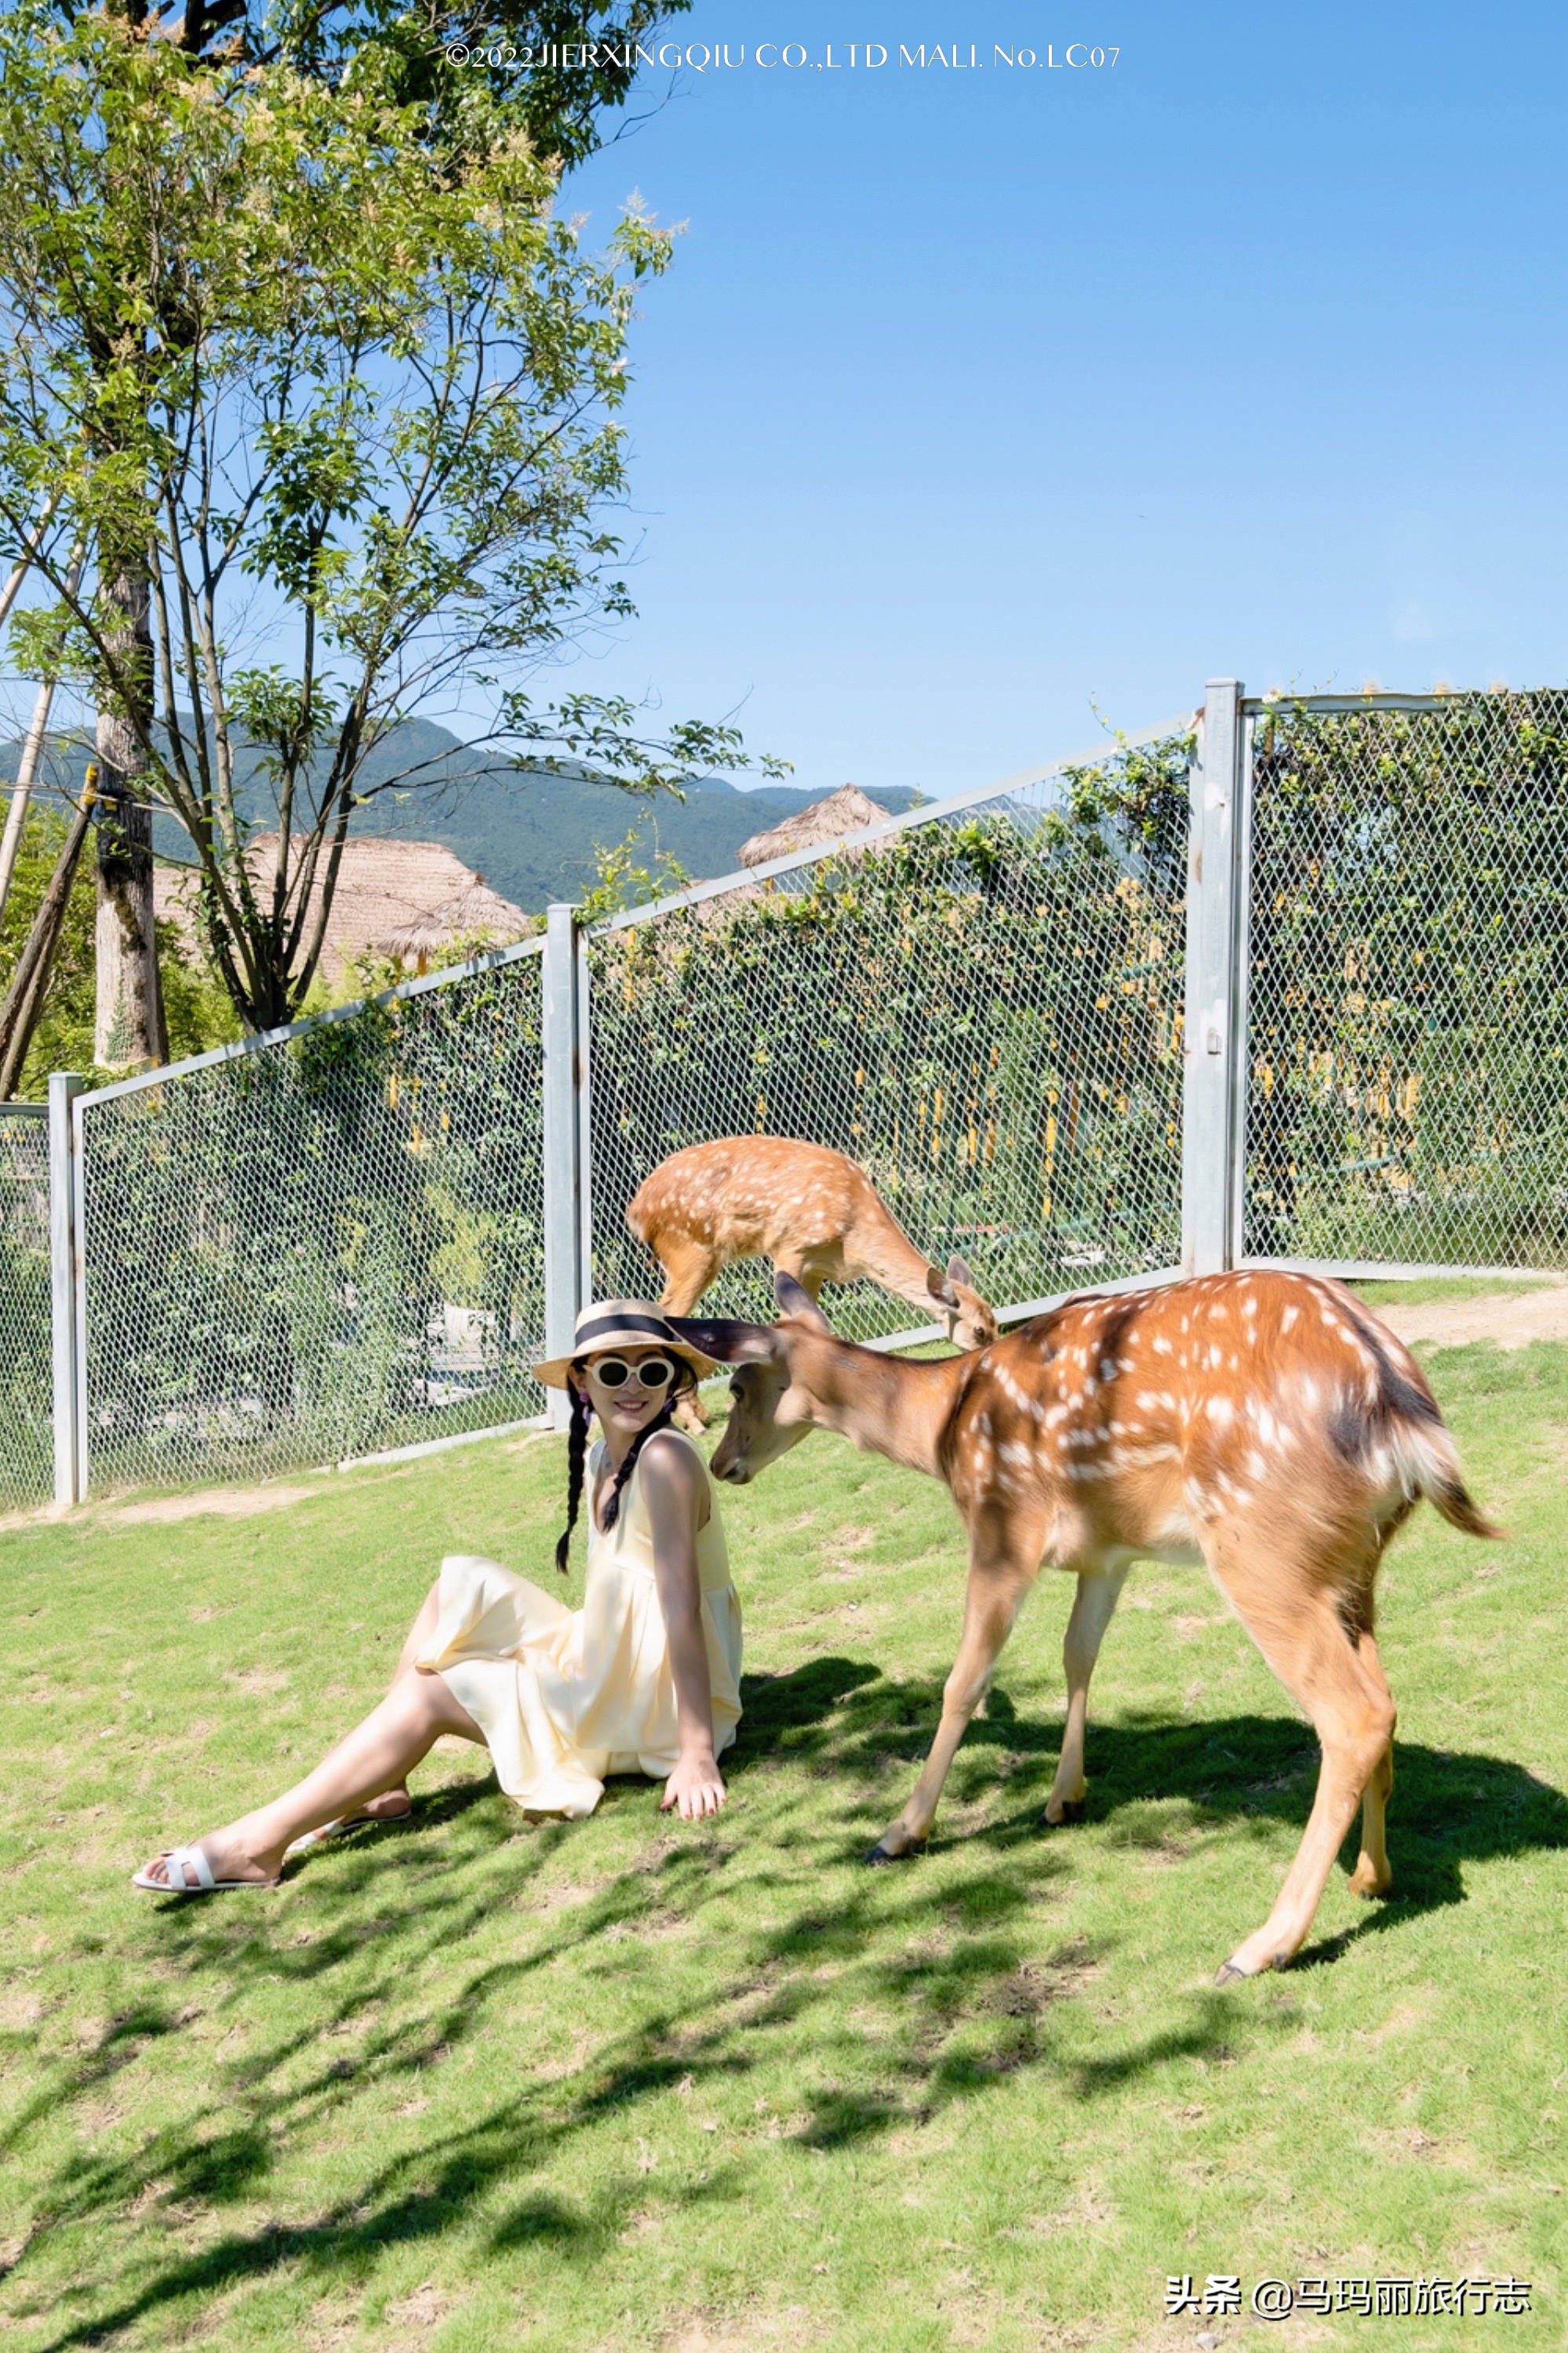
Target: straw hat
x,y
622,1324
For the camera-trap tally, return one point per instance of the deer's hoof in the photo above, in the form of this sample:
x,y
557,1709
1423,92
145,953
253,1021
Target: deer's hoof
x,y
1070,1811
1228,1974
880,1853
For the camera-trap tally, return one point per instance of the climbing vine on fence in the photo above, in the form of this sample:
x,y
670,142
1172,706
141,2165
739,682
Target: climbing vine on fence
x,y
985,1013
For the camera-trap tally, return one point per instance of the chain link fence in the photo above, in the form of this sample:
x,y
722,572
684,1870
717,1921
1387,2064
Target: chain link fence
x,y
1407,956
983,1009
322,1247
333,1244
26,1439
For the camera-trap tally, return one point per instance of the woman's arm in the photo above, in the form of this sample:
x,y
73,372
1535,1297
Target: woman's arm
x,y
676,1495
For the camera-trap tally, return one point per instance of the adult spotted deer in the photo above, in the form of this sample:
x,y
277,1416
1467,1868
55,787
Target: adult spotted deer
x,y
1264,1424
810,1210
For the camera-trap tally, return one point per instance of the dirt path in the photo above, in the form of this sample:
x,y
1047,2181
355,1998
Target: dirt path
x,y
1513,1319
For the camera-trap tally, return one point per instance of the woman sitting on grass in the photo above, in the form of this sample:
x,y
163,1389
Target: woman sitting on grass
x,y
644,1678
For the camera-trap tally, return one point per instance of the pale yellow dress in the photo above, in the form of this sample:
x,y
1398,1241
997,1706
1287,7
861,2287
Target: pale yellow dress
x,y
565,1697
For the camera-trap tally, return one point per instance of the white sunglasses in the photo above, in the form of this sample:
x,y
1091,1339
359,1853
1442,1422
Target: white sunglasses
x,y
615,1373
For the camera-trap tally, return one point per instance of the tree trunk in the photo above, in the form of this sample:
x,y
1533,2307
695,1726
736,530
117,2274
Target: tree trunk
x,y
129,1032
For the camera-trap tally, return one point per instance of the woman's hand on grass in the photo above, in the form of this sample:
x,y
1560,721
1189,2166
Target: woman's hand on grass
x,y
696,1788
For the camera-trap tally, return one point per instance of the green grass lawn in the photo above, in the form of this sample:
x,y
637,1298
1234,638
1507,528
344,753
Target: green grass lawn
x,y
477,2084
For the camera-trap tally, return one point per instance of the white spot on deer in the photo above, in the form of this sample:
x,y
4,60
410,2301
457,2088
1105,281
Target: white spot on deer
x,y
1011,1450
1289,1318
1249,1306
1217,1356
1220,1409
1256,1466
1161,1344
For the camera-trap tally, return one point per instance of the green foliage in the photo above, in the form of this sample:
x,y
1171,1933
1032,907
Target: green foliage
x,y
985,1014
63,1038
27,1439
317,1250
197,1004
619,882
630,2083
310,335
1409,953
336,1246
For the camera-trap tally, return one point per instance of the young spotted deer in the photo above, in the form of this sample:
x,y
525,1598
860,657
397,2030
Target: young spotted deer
x,y
810,1210
1264,1424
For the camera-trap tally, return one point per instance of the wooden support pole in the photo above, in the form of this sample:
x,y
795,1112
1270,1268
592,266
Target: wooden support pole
x,y
29,983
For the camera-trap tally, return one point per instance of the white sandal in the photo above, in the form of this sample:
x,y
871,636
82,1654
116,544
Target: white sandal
x,y
318,1837
179,1860
336,1828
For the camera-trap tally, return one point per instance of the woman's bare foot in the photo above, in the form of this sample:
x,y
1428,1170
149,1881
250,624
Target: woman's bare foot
x,y
389,1807
226,1859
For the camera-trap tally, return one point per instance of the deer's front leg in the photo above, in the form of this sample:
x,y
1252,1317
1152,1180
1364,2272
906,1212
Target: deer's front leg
x,y
1093,1607
998,1578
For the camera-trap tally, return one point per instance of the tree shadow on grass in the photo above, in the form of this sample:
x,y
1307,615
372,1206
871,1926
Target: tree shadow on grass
x,y
889,1996
1448,1807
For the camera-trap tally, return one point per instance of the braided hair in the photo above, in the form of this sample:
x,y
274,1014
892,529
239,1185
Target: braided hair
x,y
577,1452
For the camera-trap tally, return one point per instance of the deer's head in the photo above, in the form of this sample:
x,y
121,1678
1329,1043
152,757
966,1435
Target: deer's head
x,y
970,1322
770,1408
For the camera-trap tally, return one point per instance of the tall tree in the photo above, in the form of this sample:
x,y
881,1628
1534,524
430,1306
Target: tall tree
x,y
118,288
348,396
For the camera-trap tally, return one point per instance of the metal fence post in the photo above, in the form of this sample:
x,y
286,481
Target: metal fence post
x,y
563,1142
64,1246
1214,1045
584,1122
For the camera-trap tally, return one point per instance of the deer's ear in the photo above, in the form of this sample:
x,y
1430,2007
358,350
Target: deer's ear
x,y
958,1272
727,1342
794,1299
940,1287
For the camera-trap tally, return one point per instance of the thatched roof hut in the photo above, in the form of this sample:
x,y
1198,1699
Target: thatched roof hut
x,y
405,900
846,811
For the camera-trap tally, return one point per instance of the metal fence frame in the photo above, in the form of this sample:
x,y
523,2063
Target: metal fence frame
x,y
1213,1126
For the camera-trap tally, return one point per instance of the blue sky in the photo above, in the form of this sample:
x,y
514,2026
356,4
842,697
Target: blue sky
x,y
979,402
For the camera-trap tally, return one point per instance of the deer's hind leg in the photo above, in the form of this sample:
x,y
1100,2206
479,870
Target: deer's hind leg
x,y
1005,1556
1373,1873
689,1267
1289,1607
1093,1605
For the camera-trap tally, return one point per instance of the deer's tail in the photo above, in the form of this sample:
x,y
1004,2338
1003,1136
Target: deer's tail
x,y
1409,1425
1428,1464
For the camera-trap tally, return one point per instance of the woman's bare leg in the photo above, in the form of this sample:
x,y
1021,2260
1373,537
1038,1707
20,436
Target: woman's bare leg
x,y
391,1805
377,1756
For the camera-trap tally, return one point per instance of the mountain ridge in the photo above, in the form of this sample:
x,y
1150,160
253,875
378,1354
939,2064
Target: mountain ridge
x,y
533,835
